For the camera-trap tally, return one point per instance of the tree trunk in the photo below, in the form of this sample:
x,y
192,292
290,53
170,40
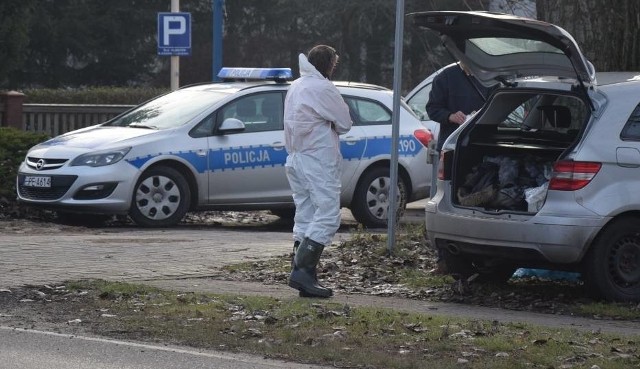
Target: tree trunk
x,y
607,31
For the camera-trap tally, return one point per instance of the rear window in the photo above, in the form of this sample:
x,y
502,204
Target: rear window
x,y
538,112
631,130
504,46
418,102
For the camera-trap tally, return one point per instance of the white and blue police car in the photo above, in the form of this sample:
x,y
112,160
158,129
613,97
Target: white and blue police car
x,y
220,146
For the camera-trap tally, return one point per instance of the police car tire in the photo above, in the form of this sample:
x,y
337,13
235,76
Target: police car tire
x,y
360,206
170,178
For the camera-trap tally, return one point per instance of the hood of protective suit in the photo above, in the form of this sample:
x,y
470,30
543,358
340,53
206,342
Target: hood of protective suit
x,y
314,114
306,68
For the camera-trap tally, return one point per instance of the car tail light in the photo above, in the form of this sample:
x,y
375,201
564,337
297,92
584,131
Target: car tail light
x,y
424,136
572,175
444,164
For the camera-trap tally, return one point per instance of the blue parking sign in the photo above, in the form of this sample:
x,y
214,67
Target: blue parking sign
x,y
174,34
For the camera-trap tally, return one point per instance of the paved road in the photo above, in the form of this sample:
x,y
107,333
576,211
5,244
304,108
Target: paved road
x,y
36,254
130,254
30,349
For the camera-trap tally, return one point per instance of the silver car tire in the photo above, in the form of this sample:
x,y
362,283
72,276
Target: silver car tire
x,y
370,205
161,198
612,265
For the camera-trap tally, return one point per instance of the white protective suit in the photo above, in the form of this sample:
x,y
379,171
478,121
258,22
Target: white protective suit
x,y
314,115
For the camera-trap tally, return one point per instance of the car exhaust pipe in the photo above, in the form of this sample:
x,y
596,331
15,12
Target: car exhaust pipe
x,y
453,248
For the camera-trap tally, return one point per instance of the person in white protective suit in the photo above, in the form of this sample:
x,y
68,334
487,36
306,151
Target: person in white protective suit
x,y
314,115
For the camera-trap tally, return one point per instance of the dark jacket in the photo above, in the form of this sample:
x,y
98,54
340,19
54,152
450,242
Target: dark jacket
x,y
452,91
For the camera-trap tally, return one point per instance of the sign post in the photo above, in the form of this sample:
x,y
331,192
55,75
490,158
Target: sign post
x,y
395,125
174,39
217,37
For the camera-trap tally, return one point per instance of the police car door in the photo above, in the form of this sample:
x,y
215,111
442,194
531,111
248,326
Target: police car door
x,y
247,165
370,137
352,145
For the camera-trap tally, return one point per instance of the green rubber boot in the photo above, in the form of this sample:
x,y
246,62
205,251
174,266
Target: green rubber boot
x,y
303,275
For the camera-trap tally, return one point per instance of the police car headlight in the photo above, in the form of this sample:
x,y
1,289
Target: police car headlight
x,y
100,158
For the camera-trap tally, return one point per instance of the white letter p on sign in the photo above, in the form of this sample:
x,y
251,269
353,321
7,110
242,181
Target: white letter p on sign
x,y
168,31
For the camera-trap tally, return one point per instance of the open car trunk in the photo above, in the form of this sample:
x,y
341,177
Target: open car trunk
x,y
510,148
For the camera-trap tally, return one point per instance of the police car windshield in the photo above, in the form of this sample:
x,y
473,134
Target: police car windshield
x,y
169,111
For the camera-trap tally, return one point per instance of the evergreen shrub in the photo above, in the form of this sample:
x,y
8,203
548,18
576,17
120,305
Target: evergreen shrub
x,y
14,145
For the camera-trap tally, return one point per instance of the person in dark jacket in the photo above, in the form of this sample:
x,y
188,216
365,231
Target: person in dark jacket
x,y
455,94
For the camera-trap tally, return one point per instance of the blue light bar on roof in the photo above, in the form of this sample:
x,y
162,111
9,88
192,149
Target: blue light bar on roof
x,y
256,73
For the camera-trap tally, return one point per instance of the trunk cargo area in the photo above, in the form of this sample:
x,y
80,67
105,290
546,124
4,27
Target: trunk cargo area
x,y
506,166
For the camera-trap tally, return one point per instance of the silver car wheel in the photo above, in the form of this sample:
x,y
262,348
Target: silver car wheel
x,y
612,265
370,205
157,197
624,261
378,199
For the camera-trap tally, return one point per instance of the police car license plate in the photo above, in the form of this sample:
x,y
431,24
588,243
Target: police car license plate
x,y
39,181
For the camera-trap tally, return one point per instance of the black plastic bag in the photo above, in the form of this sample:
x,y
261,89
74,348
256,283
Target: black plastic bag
x,y
479,188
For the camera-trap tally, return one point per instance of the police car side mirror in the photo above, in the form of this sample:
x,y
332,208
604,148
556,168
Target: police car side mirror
x,y
231,125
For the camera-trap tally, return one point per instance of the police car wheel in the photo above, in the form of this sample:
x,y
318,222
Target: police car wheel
x,y
371,199
161,198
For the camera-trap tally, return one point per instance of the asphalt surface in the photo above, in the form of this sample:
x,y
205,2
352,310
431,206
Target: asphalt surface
x,y
40,255
130,254
31,349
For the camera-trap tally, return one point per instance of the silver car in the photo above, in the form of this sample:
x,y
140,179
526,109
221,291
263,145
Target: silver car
x,y
220,146
546,174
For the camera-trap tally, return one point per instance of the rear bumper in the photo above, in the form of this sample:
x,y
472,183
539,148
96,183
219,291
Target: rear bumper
x,y
528,238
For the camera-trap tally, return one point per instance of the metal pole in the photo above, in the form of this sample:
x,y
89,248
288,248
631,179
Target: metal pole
x,y
217,38
395,123
175,59
434,158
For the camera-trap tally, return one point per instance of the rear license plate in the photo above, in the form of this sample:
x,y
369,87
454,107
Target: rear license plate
x,y
39,181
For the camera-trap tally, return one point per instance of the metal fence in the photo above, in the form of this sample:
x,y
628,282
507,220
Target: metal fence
x,y
56,119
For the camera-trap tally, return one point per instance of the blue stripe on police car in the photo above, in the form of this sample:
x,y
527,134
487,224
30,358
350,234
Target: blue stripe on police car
x,y
141,160
267,156
246,157
407,146
197,161
352,150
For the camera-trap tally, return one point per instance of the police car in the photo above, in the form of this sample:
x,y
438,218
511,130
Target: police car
x,y
220,146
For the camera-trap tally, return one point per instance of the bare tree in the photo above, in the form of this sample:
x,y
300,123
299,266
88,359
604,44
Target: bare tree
x,y
608,31
523,8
